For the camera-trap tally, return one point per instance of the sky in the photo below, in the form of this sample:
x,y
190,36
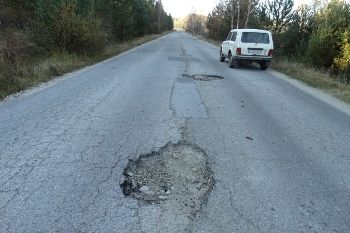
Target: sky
x,y
181,8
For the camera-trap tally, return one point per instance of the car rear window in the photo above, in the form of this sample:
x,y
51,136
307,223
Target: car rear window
x,y
255,37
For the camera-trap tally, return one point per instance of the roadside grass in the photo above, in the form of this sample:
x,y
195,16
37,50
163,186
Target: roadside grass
x,y
114,49
21,75
210,41
311,76
26,74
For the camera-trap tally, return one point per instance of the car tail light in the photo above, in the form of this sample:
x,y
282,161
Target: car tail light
x,y
270,52
238,51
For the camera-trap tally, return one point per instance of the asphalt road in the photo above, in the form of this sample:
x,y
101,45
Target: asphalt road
x,y
280,155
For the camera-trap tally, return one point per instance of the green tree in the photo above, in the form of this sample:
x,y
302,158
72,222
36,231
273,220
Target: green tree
x,y
76,25
327,38
321,51
142,18
16,13
169,22
16,26
261,17
74,32
281,14
293,40
277,16
342,62
123,22
218,22
302,27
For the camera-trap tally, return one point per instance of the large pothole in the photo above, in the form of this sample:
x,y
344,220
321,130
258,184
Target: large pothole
x,y
203,77
177,177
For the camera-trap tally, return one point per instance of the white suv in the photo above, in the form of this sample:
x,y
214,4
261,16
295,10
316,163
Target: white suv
x,y
249,45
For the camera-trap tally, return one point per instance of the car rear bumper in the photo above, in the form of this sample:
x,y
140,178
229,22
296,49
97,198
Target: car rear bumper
x,y
252,58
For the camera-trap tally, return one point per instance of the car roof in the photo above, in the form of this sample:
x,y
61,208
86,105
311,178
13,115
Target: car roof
x,y
250,30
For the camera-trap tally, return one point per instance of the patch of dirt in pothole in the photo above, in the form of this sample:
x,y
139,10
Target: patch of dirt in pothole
x,y
177,178
203,77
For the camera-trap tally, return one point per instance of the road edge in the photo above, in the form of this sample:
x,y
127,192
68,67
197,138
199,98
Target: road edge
x,y
321,95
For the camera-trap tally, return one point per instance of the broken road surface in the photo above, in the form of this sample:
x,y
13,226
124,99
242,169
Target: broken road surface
x,y
165,138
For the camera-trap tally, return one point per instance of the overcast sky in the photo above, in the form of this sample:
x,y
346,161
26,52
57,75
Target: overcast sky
x,y
181,8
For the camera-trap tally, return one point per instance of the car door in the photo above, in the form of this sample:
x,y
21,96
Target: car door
x,y
233,43
256,43
225,44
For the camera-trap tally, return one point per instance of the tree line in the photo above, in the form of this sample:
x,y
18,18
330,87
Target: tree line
x,y
317,34
32,27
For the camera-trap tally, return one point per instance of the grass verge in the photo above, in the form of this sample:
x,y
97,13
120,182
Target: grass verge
x,y
313,77
29,73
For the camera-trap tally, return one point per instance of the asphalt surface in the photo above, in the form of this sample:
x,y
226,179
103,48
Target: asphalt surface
x,y
280,156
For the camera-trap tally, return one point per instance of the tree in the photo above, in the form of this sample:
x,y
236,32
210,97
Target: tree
x,y
281,14
218,22
342,62
240,12
195,24
249,10
300,32
261,17
330,24
16,14
169,22
76,25
74,32
277,16
231,14
292,42
158,17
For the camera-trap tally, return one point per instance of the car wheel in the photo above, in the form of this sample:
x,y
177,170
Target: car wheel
x,y
264,65
232,63
222,58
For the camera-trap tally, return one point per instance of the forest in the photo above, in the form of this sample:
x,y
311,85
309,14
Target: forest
x,y
316,34
41,39
31,27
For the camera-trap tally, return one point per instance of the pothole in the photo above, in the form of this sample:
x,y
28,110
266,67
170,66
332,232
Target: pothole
x,y
203,77
176,177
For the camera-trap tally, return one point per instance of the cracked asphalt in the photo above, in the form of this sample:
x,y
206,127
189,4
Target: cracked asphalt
x,y
279,155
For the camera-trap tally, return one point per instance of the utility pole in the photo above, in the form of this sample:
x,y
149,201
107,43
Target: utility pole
x,y
193,12
160,6
239,7
232,13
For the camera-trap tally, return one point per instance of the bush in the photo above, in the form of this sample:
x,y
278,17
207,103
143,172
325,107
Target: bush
x,y
13,46
321,47
76,33
342,62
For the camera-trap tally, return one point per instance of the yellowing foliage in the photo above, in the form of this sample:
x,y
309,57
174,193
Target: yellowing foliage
x,y
342,62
